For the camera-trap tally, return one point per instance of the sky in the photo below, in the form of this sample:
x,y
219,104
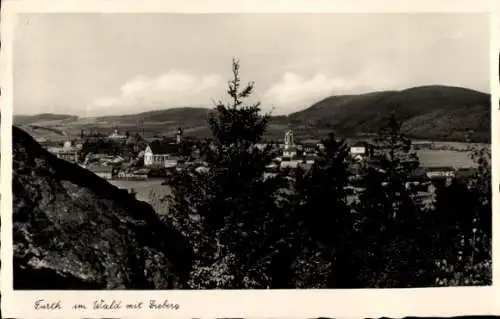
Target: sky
x,y
106,64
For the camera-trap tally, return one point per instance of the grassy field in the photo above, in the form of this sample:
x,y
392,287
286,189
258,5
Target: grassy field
x,y
434,158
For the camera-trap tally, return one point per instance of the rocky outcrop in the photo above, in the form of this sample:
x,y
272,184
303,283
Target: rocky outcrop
x,y
74,230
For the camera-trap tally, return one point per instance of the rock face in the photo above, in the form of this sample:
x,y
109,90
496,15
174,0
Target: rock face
x,y
74,230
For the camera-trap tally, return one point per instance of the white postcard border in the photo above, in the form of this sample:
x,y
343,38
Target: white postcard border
x,y
248,303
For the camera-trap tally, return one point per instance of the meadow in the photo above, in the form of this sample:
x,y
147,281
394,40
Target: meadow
x,y
440,158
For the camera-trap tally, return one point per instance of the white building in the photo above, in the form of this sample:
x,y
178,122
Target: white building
x,y
290,150
117,136
67,152
288,162
161,155
440,172
358,151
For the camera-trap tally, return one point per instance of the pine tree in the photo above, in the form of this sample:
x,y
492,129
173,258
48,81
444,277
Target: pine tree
x,y
391,218
397,161
230,204
326,221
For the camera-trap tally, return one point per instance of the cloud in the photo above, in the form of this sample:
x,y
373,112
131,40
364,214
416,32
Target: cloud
x,y
294,92
290,93
172,89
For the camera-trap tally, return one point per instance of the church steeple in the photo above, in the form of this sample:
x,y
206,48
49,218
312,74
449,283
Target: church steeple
x,y
289,140
179,135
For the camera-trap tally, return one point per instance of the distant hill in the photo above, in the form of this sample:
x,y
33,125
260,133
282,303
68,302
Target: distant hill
x,y
44,117
195,115
428,112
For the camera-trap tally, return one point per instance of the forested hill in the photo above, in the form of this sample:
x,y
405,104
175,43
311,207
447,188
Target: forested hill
x,y
428,112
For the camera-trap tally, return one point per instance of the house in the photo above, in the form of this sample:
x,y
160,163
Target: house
x,y
105,172
441,176
161,154
68,155
434,173
308,159
309,147
173,161
289,162
117,136
67,152
132,176
359,151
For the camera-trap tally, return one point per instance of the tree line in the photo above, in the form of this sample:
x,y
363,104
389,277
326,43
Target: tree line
x,y
298,229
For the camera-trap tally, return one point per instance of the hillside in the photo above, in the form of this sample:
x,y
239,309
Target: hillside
x,y
428,112
195,116
44,117
74,230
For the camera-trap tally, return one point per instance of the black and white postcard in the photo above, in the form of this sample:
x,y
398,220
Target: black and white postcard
x,y
231,160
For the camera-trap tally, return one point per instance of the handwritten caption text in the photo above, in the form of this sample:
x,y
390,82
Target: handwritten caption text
x,y
102,304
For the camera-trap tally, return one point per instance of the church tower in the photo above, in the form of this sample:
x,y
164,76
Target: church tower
x,y
289,141
290,149
179,135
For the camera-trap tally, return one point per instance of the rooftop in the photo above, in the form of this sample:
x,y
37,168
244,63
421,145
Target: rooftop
x,y
163,147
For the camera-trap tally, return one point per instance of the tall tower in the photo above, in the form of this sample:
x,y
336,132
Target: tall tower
x,y
289,142
179,135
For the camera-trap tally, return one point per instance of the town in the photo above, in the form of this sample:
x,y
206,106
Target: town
x,y
125,156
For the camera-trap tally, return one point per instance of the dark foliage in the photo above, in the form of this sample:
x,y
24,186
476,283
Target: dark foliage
x,y
300,228
228,209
